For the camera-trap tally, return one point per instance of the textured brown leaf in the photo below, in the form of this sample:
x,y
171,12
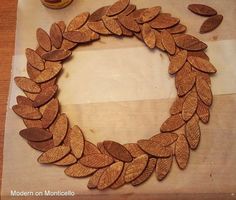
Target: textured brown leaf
x,y
27,112
42,146
200,54
110,175
35,134
53,155
179,28
117,151
172,123
98,14
117,7
33,123
163,167
43,39
99,27
93,181
129,23
77,142
51,70
163,22
131,8
40,51
204,91
159,44
193,132
203,112
22,100
68,160
189,105
203,75
146,173
68,45
149,35
185,79
168,42
211,23
78,170
112,25
59,129
96,160
56,55
32,72
177,106
90,148
45,95
165,139
50,113
124,30
78,21
27,85
177,62
134,149
121,180
137,13
62,26
154,148
201,64
77,36
182,152
34,59
189,42
201,9
56,35
148,14
136,168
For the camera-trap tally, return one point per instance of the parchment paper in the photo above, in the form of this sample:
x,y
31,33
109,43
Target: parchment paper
x,y
118,89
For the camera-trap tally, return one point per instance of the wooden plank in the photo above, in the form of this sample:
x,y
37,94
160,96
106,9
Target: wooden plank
x,y
7,43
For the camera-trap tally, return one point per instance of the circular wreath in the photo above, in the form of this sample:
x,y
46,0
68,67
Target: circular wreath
x,y
112,164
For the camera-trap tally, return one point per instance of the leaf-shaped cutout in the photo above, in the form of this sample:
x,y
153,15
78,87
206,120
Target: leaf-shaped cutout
x,y
53,155
34,59
136,168
182,152
56,35
43,39
56,55
168,42
117,7
204,91
59,129
112,25
27,112
93,180
96,160
90,148
165,139
146,173
203,112
177,62
153,148
77,141
42,146
172,123
117,151
78,21
202,64
67,160
190,105
50,113
35,134
189,42
134,149
149,35
163,167
193,132
78,170
110,175
45,95
27,84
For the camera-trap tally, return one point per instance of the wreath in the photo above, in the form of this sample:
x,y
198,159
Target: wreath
x,y
111,164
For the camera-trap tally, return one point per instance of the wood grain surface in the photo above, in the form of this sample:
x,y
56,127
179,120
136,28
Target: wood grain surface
x,y
7,42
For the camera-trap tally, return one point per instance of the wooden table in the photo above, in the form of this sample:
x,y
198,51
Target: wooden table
x,y
7,43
